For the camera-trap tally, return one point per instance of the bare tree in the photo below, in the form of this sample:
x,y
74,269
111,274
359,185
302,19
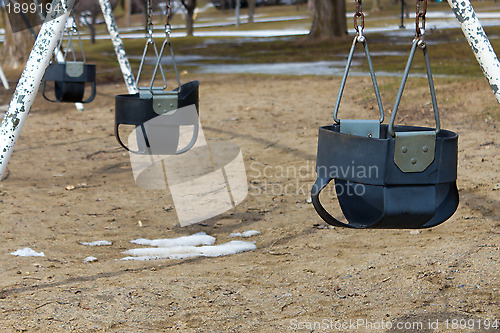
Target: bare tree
x,y
190,6
86,11
127,12
376,6
251,11
20,33
329,19
17,46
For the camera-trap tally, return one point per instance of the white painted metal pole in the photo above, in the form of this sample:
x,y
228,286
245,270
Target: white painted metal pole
x,y
30,80
4,79
107,12
479,42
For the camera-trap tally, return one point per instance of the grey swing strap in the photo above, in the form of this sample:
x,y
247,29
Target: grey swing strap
x,y
417,42
150,42
359,38
71,31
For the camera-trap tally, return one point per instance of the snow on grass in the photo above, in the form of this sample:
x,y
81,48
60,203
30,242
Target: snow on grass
x,y
248,233
97,243
188,251
27,252
200,238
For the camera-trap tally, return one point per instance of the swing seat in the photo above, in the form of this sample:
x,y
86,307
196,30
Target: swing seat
x,y
169,111
377,186
69,81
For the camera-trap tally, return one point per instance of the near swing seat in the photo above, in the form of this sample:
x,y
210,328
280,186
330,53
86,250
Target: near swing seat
x,y
169,109
69,81
387,176
373,191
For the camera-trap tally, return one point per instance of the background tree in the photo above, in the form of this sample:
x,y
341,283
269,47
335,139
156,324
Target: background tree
x,y
251,11
127,12
190,6
329,19
86,12
16,47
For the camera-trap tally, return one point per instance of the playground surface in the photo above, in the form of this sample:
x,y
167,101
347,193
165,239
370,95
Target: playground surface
x,y
69,183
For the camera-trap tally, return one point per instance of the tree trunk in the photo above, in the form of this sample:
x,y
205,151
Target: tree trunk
x,y
92,27
237,12
190,6
376,6
17,47
127,10
329,19
251,11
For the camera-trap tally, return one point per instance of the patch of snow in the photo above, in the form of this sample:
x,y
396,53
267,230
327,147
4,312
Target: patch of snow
x,y
182,252
97,243
27,252
90,259
200,238
248,233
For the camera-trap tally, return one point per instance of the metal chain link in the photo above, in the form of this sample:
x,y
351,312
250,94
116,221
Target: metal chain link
x,y
150,20
359,13
421,10
168,9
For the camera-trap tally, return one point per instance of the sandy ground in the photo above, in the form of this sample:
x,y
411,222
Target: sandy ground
x,y
304,276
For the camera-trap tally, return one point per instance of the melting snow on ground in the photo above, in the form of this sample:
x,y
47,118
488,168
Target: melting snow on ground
x,y
89,259
27,252
97,243
248,233
197,245
200,238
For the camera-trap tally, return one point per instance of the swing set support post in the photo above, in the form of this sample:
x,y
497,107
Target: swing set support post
x,y
30,80
479,42
107,13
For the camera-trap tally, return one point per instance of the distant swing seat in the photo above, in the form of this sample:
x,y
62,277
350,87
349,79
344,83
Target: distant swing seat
x,y
169,111
70,79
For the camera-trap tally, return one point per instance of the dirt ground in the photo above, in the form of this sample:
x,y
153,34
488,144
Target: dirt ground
x,y
304,276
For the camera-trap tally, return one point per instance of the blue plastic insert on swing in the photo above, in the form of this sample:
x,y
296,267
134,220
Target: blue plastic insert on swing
x,y
169,109
70,77
388,176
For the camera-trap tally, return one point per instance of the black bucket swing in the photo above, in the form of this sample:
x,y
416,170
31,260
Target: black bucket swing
x,y
158,113
387,176
70,77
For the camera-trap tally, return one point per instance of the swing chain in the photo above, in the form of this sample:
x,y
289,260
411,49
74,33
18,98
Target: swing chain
x,y
168,9
359,13
421,10
150,21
